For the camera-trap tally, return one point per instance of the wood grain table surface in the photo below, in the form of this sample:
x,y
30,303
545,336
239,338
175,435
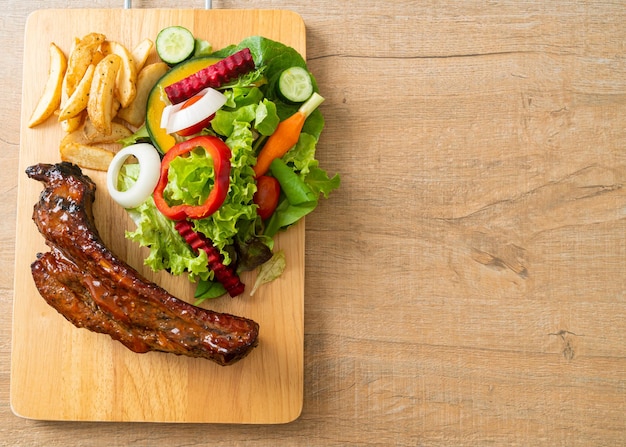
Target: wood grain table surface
x,y
466,286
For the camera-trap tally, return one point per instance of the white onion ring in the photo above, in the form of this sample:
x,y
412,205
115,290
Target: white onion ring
x,y
149,171
176,118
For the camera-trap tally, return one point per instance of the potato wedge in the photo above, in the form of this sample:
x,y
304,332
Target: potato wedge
x,y
115,107
141,53
135,112
80,98
91,135
71,124
101,95
126,81
80,59
85,155
51,96
76,136
97,57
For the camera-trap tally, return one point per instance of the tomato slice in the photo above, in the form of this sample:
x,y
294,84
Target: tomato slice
x,y
266,195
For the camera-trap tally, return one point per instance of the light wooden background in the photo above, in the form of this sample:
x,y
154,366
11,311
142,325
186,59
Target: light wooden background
x,y
466,285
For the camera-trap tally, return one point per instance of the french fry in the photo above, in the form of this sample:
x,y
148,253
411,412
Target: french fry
x,y
97,80
91,135
141,53
115,107
65,94
97,57
85,155
51,96
83,53
135,112
101,96
80,98
126,81
71,124
79,60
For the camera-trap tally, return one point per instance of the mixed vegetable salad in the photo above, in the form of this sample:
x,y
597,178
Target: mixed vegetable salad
x,y
235,133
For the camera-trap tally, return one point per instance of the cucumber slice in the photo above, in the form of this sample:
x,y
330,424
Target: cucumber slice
x,y
295,84
175,44
202,48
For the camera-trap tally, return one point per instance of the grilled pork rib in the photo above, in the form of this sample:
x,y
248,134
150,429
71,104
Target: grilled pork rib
x,y
92,288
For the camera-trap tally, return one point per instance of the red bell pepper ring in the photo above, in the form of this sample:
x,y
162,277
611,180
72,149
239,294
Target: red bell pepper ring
x,y
220,153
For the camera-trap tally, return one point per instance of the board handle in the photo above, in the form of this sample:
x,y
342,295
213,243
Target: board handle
x,y
128,4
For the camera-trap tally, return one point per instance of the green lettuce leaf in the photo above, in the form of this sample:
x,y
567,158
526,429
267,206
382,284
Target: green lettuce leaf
x,y
252,111
168,250
190,179
266,119
140,135
270,270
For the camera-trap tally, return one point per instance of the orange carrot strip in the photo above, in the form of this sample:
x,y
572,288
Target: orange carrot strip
x,y
285,136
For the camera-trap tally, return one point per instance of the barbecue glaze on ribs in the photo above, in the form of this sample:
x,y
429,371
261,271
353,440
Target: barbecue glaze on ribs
x,y
93,289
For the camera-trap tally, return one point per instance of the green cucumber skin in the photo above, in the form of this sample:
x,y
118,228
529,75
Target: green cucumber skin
x,y
286,91
184,39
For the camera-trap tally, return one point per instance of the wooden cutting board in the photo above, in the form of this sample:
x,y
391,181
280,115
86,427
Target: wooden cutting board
x,y
59,372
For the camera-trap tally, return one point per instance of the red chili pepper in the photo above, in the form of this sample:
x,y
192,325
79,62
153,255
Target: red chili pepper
x,y
220,153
